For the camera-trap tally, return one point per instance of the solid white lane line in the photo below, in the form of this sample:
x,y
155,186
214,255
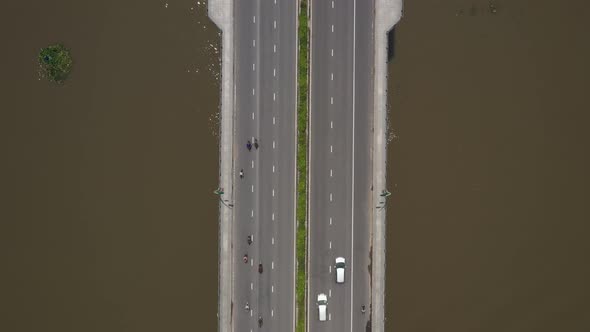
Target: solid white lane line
x,y
353,136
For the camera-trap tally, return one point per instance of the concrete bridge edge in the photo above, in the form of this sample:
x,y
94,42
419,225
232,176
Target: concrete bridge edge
x,y
221,13
387,14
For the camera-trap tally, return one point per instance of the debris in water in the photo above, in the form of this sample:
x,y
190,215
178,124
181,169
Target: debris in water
x,y
493,8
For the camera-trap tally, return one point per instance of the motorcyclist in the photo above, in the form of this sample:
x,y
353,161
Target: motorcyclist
x,y
249,145
247,306
246,258
249,239
242,173
363,309
256,143
260,268
259,321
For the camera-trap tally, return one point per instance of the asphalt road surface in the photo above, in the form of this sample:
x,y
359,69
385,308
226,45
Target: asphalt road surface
x,y
264,207
341,161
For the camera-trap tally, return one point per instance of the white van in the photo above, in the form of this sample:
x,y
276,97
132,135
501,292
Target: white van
x,y
322,306
340,265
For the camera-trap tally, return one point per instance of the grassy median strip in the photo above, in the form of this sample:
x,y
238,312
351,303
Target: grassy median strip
x,y
302,166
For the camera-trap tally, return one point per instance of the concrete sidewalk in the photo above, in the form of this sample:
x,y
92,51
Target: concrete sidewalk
x,y
387,14
221,13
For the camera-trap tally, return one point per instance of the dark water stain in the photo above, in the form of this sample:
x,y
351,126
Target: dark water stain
x,y
488,221
107,220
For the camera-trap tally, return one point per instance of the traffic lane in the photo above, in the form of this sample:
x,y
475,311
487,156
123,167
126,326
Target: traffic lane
x,y
338,123
272,148
268,185
363,163
331,122
245,281
284,125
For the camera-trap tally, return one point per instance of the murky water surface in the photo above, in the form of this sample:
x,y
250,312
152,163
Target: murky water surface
x,y
107,220
488,221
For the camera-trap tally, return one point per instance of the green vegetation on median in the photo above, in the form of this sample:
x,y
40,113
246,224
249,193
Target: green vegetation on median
x,y
302,166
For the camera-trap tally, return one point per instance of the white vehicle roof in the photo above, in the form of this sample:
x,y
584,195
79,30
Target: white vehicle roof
x,y
322,306
340,264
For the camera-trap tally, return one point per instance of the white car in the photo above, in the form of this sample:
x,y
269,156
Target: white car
x,y
340,265
322,306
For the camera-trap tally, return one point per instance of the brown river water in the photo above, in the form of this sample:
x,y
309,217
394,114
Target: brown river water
x,y
489,221
108,221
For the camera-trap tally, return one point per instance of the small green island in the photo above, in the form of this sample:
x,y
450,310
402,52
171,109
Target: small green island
x,y
55,62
